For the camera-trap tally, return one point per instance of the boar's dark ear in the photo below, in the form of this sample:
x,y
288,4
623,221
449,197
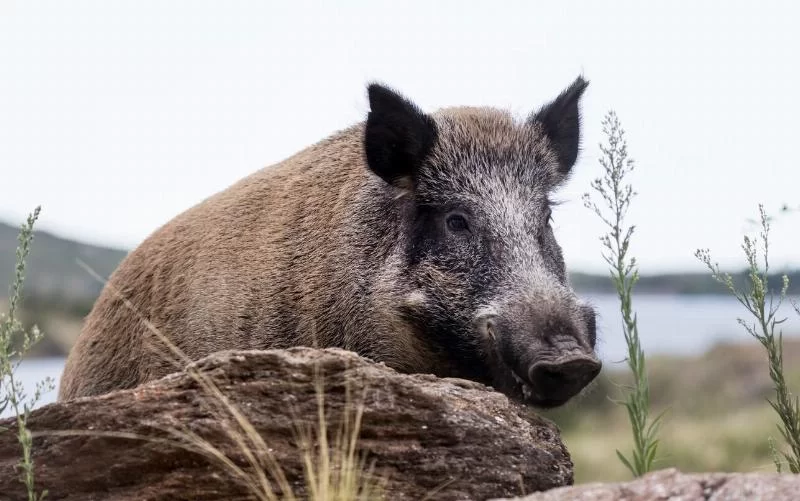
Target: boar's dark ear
x,y
398,136
561,123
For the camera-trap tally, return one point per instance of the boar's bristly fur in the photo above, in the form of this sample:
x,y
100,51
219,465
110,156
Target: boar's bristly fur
x,y
419,240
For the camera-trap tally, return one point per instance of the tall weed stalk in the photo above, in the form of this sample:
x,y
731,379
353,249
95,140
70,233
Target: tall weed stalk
x,y
762,304
15,342
615,198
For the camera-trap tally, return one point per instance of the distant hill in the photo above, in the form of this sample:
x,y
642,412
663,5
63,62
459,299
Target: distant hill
x,y
676,283
53,273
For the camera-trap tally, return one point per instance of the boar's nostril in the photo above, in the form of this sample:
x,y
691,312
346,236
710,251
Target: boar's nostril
x,y
547,376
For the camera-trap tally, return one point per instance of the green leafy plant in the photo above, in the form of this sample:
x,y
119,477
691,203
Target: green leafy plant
x,y
763,305
15,342
615,199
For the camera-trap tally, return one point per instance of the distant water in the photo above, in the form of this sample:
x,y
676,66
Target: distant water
x,y
679,324
36,369
668,324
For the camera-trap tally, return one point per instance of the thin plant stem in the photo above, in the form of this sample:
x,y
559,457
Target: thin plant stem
x,y
615,197
15,342
762,304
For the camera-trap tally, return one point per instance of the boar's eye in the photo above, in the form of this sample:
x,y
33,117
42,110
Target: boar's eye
x,y
548,218
457,223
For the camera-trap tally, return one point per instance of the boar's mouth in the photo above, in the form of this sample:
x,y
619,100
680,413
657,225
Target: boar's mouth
x,y
527,393
523,392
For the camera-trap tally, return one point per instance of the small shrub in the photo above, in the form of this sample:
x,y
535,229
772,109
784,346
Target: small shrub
x,y
761,303
616,198
15,342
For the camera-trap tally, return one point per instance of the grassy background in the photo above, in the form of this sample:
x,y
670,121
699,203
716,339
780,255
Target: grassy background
x,y
717,419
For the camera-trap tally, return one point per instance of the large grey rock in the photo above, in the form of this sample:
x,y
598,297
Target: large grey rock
x,y
672,485
423,433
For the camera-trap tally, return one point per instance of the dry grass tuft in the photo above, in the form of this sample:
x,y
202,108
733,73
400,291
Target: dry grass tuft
x,y
333,467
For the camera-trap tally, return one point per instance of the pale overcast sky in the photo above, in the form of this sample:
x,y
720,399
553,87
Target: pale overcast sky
x,y
116,116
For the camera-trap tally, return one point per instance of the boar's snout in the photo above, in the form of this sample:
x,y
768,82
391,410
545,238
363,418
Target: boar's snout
x,y
555,382
549,354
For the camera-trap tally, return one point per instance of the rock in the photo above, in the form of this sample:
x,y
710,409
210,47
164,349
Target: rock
x,y
670,484
423,433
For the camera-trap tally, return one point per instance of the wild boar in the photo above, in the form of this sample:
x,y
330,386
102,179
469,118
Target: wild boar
x,y
420,240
